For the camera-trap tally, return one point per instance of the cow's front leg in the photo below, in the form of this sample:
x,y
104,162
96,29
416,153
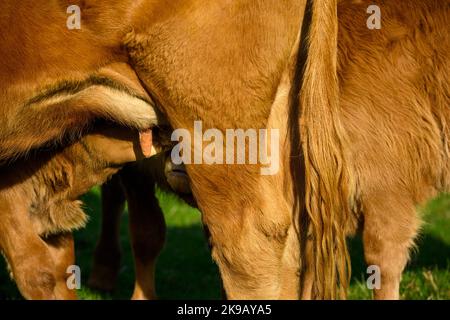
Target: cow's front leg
x,y
107,254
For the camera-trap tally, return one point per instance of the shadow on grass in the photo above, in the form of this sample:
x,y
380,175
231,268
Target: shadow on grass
x,y
185,269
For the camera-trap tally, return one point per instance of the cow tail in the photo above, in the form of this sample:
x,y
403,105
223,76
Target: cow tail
x,y
322,137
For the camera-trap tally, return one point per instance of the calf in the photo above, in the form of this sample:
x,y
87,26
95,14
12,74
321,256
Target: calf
x,y
39,210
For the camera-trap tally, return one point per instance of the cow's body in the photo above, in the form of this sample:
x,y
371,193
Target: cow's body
x,y
56,82
395,101
234,64
374,148
226,71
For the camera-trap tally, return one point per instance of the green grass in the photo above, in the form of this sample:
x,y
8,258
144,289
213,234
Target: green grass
x,y
186,271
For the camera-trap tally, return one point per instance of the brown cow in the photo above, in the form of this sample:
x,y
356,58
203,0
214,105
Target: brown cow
x,y
234,64
372,140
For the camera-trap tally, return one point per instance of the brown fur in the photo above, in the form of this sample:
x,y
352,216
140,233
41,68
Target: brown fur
x,y
226,71
403,88
383,144
56,82
39,201
50,96
147,230
346,159
360,166
42,194
321,132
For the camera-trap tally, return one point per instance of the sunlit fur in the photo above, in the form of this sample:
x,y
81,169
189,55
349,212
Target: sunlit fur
x,y
374,133
367,127
372,127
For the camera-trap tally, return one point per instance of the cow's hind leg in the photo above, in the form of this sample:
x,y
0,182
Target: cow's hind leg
x,y
147,228
390,226
107,254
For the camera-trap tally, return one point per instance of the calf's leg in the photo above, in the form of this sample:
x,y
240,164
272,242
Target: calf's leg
x,y
147,228
107,254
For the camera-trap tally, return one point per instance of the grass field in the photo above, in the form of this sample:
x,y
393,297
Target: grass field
x,y
186,271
